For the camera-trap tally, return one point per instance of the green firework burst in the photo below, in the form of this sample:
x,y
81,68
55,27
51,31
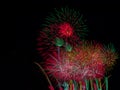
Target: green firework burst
x,y
71,16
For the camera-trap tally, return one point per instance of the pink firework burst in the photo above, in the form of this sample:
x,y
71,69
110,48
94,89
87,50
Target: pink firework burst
x,y
83,62
62,70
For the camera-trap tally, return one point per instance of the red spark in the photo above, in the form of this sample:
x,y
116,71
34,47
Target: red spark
x,y
65,30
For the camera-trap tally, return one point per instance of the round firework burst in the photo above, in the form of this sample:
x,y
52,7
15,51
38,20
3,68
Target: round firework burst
x,y
111,56
67,17
63,31
83,62
65,24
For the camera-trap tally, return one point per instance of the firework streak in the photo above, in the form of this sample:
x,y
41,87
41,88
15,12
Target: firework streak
x,y
74,63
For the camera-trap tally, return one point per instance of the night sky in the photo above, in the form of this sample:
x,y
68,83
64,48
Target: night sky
x,y
103,20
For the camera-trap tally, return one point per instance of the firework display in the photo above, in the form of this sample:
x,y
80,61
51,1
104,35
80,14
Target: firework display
x,y
75,63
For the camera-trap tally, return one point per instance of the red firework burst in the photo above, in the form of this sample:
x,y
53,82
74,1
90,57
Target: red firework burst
x,y
83,62
76,65
46,39
65,30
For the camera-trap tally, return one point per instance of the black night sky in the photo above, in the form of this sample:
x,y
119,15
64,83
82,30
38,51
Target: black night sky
x,y
103,20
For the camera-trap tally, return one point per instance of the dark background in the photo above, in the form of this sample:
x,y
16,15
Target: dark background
x,y
103,20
